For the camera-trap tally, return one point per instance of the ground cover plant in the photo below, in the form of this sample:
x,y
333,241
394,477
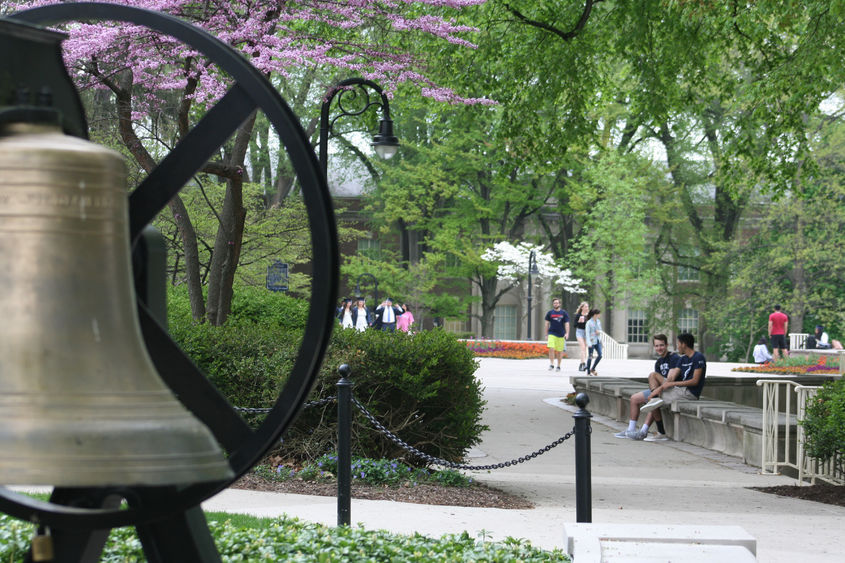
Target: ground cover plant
x,y
289,539
795,366
365,470
484,348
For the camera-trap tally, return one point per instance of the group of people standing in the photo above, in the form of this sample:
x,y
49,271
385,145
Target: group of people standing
x,y
587,330
387,316
778,331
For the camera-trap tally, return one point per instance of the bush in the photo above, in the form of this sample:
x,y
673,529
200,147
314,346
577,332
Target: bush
x,y
824,424
421,386
250,305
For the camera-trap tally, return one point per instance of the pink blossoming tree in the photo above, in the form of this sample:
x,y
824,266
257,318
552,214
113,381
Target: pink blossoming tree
x,y
144,72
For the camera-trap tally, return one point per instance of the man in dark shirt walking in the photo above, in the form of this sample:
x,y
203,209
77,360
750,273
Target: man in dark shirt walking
x,y
557,328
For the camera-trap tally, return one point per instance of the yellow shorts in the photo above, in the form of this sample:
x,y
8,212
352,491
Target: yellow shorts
x,y
557,343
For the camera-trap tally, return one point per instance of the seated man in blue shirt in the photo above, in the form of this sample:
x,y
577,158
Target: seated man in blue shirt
x,y
664,368
690,381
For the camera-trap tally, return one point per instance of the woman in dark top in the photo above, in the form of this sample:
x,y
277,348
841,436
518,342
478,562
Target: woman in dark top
x,y
580,318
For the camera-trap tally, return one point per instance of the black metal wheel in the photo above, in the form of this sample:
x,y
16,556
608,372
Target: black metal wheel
x,y
243,445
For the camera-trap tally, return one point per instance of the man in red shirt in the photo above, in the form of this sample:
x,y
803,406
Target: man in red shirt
x,y
778,325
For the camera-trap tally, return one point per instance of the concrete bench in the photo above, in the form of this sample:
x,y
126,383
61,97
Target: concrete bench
x,y
599,543
722,426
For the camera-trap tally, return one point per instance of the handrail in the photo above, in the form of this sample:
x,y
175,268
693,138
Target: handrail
x,y
807,467
771,426
611,349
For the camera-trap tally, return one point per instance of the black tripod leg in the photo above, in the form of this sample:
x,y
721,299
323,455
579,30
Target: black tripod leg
x,y
182,537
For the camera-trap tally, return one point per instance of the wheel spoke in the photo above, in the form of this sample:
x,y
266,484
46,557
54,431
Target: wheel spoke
x,y
191,387
188,157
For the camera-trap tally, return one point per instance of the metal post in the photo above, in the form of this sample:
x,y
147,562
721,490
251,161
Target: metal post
x,y
532,269
583,484
344,449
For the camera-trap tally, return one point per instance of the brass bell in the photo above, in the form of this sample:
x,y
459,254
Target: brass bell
x,y
80,401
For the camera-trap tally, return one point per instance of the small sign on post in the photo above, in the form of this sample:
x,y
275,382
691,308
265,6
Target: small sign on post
x,y
277,276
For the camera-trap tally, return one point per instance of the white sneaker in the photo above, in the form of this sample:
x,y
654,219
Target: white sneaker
x,y
657,438
655,403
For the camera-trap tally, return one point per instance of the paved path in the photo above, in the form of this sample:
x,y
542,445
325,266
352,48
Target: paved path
x,y
632,482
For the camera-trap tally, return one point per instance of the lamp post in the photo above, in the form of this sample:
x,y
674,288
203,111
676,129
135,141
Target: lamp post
x,y
385,142
532,269
374,282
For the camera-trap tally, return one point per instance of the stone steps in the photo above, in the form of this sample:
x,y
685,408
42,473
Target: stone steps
x,y
722,426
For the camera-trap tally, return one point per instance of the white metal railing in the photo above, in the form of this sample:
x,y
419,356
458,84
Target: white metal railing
x,y
771,462
798,340
611,349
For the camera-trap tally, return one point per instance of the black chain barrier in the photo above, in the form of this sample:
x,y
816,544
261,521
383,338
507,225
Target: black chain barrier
x,y
411,449
581,432
451,464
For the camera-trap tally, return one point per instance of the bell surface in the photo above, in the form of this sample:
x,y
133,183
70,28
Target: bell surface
x,y
80,401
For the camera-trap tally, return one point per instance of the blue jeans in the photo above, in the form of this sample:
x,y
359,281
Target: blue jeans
x,y
597,348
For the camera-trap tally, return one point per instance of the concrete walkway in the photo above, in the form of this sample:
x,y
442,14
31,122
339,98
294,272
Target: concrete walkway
x,y
632,482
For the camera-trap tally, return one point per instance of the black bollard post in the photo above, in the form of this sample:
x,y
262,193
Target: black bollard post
x,y
583,484
344,447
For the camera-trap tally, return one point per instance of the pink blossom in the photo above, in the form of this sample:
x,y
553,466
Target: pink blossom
x,y
277,37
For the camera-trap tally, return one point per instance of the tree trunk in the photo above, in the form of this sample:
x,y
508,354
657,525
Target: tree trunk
x,y
229,239
488,305
191,255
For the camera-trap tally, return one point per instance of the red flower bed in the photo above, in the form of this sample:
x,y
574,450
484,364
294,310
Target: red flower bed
x,y
819,368
509,350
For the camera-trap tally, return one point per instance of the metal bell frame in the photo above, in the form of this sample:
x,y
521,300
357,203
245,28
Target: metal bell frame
x,y
245,447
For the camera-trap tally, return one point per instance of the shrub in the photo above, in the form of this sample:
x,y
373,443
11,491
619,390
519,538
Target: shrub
x,y
824,424
421,386
250,305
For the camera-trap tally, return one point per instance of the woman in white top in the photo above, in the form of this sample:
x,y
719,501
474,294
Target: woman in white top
x,y
593,331
362,318
346,315
761,353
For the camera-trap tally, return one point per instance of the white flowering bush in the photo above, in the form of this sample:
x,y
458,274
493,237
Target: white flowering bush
x,y
513,265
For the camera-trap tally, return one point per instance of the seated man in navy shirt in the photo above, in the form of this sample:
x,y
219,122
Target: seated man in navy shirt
x,y
664,368
690,381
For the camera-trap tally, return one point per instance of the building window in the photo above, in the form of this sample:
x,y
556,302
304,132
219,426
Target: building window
x,y
369,248
688,274
637,327
688,321
504,322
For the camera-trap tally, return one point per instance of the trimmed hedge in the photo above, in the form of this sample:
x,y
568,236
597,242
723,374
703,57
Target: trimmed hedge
x,y
421,386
